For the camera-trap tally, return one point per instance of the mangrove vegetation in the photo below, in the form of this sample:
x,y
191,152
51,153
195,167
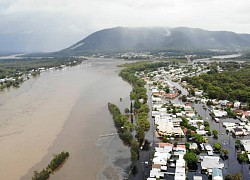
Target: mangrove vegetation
x,y
54,164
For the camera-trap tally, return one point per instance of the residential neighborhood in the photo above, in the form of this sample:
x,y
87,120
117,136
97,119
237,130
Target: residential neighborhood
x,y
194,124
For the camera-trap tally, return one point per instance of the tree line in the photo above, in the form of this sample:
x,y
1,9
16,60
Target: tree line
x,y
231,85
138,108
58,160
125,129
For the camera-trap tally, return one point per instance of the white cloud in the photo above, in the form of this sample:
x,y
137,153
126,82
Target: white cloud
x,y
53,25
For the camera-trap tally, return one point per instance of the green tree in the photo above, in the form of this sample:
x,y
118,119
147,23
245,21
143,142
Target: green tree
x,y
237,144
224,152
192,91
237,176
209,103
217,146
137,104
165,139
191,158
187,145
134,156
215,133
134,150
198,138
206,124
126,110
167,90
242,157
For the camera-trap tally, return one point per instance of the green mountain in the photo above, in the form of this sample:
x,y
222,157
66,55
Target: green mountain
x,y
122,39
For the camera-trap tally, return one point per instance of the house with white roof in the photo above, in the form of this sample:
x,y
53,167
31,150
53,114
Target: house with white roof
x,y
219,113
198,93
197,177
193,146
165,127
237,104
246,145
223,102
180,171
210,162
180,150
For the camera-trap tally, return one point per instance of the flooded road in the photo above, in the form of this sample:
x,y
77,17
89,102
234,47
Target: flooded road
x,y
64,110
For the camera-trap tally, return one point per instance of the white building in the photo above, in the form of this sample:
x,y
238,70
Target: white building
x,y
210,162
246,144
237,105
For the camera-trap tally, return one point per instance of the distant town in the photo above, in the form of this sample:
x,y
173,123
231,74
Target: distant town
x,y
13,72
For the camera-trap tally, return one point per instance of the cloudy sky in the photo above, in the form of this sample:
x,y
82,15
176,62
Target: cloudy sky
x,y
50,25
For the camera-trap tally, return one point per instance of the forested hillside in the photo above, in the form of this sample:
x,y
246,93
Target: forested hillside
x,y
233,84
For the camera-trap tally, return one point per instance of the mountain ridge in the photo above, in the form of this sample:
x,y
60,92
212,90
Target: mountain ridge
x,y
123,39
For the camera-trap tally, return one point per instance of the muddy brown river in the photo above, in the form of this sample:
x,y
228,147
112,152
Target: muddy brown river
x,y
64,110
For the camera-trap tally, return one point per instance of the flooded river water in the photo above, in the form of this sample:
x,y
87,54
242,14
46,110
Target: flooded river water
x,y
64,110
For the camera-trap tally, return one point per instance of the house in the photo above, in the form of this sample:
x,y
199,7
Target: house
x,y
239,112
156,100
155,113
230,104
210,162
165,127
197,177
162,153
204,101
165,145
208,148
193,146
246,145
237,131
160,158
201,132
179,114
156,166
246,113
180,172
236,104
243,105
176,122
229,124
223,102
198,93
156,173
188,108
218,113
180,149
171,95
194,122
190,113
215,102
